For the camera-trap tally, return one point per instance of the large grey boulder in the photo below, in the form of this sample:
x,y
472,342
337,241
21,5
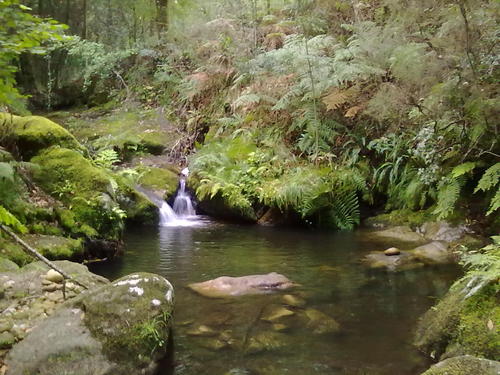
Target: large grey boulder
x,y
443,231
121,328
465,365
226,286
435,252
398,234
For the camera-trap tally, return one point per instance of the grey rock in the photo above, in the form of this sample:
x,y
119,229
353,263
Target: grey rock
x,y
465,365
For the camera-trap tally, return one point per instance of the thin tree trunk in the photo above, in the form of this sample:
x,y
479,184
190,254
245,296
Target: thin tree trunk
x,y
84,21
161,17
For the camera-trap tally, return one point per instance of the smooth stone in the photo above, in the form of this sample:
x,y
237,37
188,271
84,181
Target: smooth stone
x,y
49,288
464,365
320,322
273,313
226,286
292,300
54,276
7,339
202,330
392,251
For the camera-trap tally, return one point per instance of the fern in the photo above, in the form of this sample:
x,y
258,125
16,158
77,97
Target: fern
x,y
448,195
490,180
6,171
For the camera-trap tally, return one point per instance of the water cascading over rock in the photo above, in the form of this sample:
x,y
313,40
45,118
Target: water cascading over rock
x,y
183,211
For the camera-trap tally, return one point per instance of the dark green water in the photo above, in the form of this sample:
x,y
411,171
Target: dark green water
x,y
377,311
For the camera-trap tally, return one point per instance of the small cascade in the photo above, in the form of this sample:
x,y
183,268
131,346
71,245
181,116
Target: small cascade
x,y
183,206
183,212
167,215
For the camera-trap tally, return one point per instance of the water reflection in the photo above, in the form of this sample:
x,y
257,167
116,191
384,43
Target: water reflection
x,y
376,310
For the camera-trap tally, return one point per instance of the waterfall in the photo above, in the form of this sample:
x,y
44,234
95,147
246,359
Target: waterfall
x,y
167,215
183,206
183,212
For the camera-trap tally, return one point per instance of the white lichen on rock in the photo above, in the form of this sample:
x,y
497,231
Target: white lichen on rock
x,y
137,290
156,302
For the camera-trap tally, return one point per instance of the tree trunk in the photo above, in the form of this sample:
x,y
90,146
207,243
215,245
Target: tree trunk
x,y
161,17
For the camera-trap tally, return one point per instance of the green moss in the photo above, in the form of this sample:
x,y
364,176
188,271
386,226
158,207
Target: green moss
x,y
158,179
6,265
478,332
131,131
66,173
45,228
55,247
32,134
14,252
400,217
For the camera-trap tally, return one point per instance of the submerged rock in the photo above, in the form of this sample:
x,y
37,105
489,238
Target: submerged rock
x,y
465,365
226,286
321,323
120,328
403,261
292,300
265,341
274,312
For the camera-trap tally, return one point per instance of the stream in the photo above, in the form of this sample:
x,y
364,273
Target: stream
x,y
376,310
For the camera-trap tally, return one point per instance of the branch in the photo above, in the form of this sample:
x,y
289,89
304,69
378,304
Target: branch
x,y
33,252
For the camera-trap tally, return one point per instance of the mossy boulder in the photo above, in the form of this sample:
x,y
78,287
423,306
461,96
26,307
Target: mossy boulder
x,y
32,134
465,365
88,189
160,180
56,247
122,328
465,321
6,265
14,252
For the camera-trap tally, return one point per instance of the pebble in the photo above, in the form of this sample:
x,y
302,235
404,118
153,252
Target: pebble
x,y
54,276
294,301
392,251
275,313
50,288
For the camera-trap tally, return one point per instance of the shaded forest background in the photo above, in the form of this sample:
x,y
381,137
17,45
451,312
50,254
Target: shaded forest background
x,y
327,110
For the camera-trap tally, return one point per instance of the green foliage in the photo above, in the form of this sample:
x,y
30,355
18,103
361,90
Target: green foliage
x,y
490,180
6,218
20,32
106,159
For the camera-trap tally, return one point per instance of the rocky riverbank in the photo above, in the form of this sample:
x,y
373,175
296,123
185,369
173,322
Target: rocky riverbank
x,y
121,327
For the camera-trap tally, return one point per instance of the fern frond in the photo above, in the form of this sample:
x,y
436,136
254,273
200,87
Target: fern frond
x,y
353,111
447,197
335,99
489,179
462,169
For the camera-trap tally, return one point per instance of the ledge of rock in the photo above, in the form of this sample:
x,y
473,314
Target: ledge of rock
x,y
465,365
226,286
120,328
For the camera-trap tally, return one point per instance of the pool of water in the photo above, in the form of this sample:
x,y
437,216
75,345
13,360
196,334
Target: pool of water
x,y
376,310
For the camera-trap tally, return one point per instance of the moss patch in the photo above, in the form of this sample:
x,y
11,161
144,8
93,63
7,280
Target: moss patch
x,y
54,247
400,217
158,179
462,325
34,133
129,131
14,252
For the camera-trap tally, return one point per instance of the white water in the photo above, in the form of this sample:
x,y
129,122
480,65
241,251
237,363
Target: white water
x,y
183,213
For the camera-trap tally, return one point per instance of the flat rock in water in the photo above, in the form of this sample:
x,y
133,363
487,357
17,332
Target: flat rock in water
x,y
226,286
405,260
435,252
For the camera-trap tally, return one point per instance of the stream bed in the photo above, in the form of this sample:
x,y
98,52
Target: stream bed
x,y
376,310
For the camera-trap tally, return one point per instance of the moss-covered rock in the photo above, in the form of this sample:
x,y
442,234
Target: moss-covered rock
x,y
6,265
14,252
55,247
158,179
465,365
462,323
407,217
120,329
34,133
129,131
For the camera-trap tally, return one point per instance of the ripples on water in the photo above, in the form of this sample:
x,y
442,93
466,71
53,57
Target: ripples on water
x,y
377,311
